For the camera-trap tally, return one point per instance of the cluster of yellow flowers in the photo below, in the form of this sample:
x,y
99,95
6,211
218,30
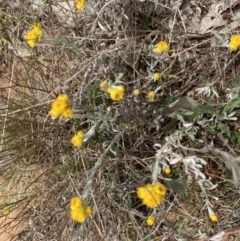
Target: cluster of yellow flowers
x,y
80,4
79,210
150,95
234,42
34,36
61,107
161,46
77,140
116,92
152,195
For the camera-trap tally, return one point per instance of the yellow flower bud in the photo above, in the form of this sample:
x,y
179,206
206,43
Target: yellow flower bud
x,y
67,113
167,170
161,46
214,217
136,92
151,220
80,4
151,95
156,76
103,85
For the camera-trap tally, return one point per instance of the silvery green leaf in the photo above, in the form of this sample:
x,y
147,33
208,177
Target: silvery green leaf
x,y
176,185
76,116
153,64
179,117
113,151
187,125
189,179
175,160
90,133
118,82
157,89
204,207
119,77
217,237
183,106
198,165
218,41
231,114
105,143
213,197
233,118
209,185
171,76
156,171
191,136
202,161
200,174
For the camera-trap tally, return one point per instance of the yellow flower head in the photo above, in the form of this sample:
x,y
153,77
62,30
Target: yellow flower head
x,y
34,35
214,217
67,113
77,140
76,202
151,95
80,4
136,92
167,170
151,220
152,195
161,46
54,113
39,34
234,42
79,210
104,85
59,105
31,37
63,97
116,92
156,76
31,43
